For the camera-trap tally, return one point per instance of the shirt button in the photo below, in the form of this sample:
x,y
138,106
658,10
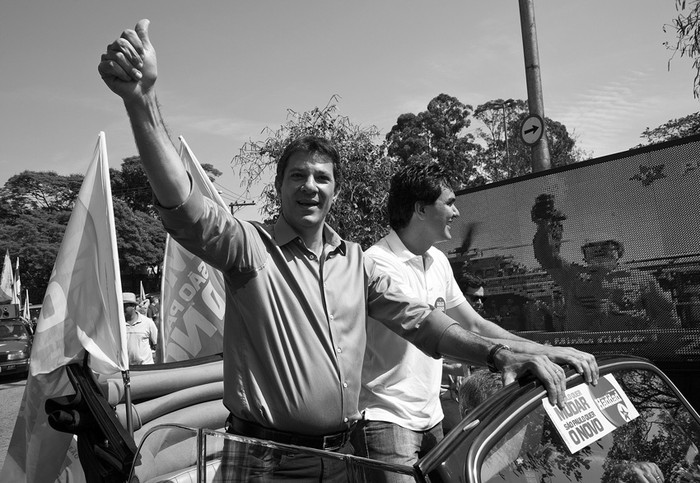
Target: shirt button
x,y
312,257
331,317
345,384
345,420
339,350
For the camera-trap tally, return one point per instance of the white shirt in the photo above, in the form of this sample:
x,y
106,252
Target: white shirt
x,y
140,335
401,384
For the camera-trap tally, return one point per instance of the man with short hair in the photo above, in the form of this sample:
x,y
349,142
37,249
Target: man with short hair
x,y
473,288
400,396
297,294
141,332
605,293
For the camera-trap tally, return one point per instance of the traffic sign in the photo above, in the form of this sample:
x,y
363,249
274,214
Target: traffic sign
x,y
531,129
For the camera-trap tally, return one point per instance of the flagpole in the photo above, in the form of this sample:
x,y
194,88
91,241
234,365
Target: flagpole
x,y
127,395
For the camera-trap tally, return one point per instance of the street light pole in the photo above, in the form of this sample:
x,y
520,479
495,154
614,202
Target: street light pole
x,y
540,150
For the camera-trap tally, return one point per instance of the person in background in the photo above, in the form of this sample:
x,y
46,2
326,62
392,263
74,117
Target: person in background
x,y
153,311
400,395
141,332
473,288
297,294
453,372
603,294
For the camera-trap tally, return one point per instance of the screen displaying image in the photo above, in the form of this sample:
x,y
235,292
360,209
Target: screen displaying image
x,y
602,253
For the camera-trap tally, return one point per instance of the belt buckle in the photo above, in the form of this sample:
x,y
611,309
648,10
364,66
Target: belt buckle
x,y
333,441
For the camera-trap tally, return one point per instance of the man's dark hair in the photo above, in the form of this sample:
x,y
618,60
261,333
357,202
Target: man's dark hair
x,y
310,145
418,182
470,281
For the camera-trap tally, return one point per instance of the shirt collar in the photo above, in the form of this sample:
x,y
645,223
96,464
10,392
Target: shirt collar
x,y
283,233
404,254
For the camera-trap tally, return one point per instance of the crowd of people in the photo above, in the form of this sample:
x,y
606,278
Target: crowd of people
x,y
326,346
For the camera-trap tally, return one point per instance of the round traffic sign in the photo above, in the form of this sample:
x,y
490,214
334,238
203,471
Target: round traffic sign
x,y
531,129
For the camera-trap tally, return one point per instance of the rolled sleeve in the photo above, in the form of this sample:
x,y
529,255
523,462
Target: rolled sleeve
x,y
412,319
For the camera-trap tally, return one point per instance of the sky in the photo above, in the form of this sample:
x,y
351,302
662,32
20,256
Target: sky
x,y
229,69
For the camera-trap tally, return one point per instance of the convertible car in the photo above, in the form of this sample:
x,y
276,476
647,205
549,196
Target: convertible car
x,y
633,426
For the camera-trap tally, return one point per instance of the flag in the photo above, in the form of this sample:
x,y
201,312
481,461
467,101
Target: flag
x,y
25,310
142,292
17,286
81,311
6,280
193,297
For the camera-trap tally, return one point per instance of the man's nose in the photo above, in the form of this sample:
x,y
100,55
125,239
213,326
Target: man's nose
x,y
309,184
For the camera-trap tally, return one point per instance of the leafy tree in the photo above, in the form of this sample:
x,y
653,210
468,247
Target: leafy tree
x,y
496,162
439,133
687,29
358,214
673,129
562,145
34,237
140,241
131,184
34,211
473,159
34,190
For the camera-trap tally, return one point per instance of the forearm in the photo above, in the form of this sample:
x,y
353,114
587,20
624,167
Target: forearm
x,y
464,346
161,162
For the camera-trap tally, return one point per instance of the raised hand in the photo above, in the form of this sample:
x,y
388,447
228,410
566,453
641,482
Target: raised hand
x,y
129,66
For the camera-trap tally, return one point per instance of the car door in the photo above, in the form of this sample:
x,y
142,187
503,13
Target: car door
x,y
513,438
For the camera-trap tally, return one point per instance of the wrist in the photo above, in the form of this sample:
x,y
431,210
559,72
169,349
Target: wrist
x,y
493,355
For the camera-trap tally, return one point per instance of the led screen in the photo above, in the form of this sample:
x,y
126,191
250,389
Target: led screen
x,y
603,254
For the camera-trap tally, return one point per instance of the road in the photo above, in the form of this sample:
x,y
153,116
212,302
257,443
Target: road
x,y
11,391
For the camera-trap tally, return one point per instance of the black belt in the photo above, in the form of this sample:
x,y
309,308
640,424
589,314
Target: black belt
x,y
328,442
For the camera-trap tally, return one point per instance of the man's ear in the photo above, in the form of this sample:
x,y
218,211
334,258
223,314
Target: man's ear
x,y
419,209
338,189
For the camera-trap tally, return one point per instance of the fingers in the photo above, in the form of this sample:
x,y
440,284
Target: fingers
x,y
121,60
646,472
584,363
550,374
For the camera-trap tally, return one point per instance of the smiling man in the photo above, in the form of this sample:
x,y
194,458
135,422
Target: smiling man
x,y
400,395
297,295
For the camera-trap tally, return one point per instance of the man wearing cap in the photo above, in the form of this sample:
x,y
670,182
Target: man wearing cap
x,y
605,293
141,332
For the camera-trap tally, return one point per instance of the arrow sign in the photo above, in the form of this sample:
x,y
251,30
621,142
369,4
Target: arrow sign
x,y
531,129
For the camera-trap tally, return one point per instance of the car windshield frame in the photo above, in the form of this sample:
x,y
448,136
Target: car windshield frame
x,y
463,453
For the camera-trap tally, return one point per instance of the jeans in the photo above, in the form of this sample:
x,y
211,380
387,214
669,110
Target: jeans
x,y
241,462
392,443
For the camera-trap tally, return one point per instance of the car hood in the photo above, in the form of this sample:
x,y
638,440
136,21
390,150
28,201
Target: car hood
x,y
13,345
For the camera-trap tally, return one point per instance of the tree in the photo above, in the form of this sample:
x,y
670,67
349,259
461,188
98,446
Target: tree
x,y
439,133
131,184
497,163
358,213
687,29
34,237
34,190
34,211
673,129
140,241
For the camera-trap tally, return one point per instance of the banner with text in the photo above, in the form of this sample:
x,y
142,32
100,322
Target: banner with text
x,y
591,412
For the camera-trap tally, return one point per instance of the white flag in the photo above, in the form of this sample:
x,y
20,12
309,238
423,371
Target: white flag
x,y
82,311
6,280
17,285
193,299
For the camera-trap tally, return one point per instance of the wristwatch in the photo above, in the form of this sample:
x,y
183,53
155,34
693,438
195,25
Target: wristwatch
x,y
491,357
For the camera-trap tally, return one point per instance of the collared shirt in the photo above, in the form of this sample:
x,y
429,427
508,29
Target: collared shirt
x,y
294,335
401,384
140,334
